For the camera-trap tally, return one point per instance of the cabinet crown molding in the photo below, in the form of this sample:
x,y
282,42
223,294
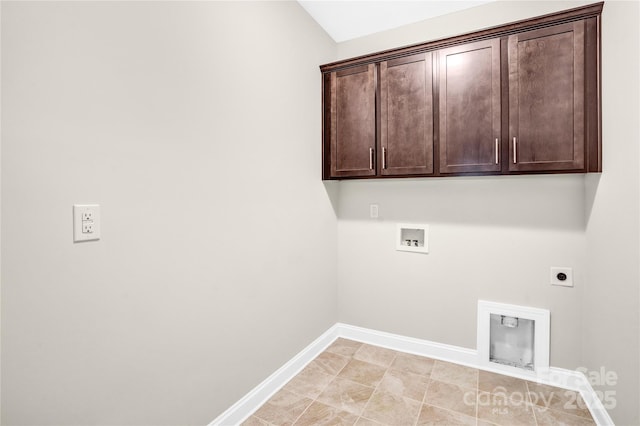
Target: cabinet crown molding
x,y
569,15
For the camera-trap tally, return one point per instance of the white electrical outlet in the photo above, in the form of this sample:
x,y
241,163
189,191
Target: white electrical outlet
x,y
373,211
87,227
86,222
562,276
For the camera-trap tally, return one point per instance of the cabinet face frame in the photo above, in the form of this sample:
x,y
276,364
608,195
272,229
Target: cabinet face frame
x,y
466,114
406,121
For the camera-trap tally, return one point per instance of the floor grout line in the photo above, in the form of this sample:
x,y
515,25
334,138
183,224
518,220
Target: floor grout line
x,y
533,407
364,408
328,383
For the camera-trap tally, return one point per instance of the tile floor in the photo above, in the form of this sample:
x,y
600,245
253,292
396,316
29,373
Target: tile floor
x,y
353,383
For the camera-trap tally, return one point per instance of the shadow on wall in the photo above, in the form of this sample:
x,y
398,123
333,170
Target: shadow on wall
x,y
541,201
591,182
333,191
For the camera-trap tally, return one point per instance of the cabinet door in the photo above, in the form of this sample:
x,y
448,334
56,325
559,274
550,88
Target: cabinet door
x,y
469,113
406,115
353,122
546,98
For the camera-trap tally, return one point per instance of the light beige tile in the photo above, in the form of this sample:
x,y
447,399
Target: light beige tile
x,y
558,399
331,363
486,423
501,409
547,416
375,355
499,383
346,395
430,415
286,399
322,414
451,397
413,364
363,421
344,347
309,382
390,409
363,372
455,374
283,408
255,421
405,384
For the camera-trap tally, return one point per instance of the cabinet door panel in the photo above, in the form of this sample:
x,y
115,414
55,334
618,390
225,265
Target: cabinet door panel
x,y
353,131
406,114
546,98
469,115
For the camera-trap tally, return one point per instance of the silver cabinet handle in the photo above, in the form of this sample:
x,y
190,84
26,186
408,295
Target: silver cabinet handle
x,y
370,158
515,150
496,150
384,157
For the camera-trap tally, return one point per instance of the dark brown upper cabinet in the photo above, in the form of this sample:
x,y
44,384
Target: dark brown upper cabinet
x,y
469,115
353,122
546,98
519,98
406,116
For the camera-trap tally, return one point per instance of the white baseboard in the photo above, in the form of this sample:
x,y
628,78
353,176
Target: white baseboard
x,y
559,377
410,345
246,406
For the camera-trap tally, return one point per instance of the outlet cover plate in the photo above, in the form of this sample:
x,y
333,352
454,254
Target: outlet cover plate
x,y
86,222
373,211
568,272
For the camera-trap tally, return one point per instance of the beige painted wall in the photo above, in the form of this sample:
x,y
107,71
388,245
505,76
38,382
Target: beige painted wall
x,y
196,126
496,237
491,238
611,306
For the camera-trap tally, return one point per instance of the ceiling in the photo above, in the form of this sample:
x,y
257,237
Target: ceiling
x,y
347,19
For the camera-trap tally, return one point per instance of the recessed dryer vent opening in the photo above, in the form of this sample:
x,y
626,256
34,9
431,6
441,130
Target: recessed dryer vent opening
x,y
511,341
513,338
